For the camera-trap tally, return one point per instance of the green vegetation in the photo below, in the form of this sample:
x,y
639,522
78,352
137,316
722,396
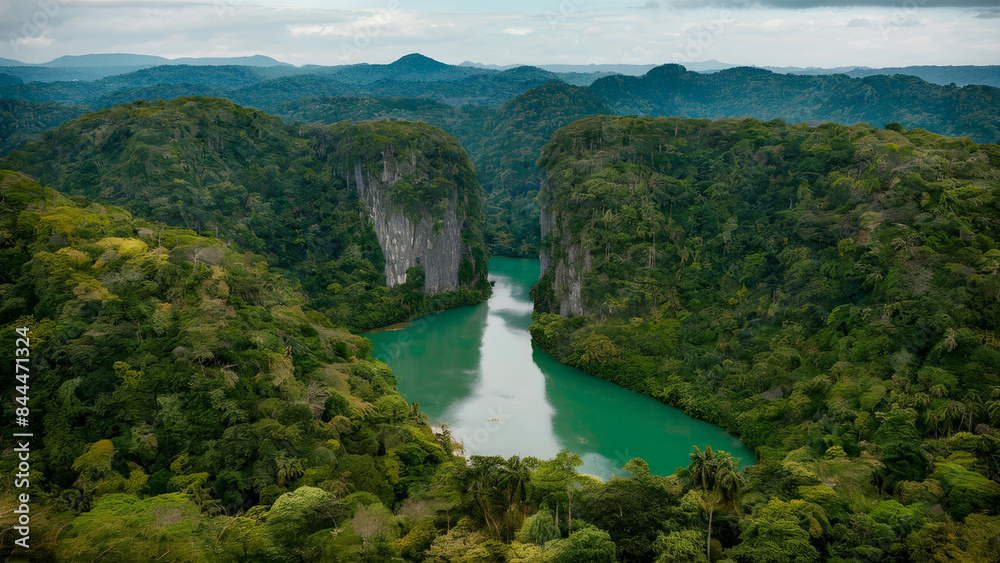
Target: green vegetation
x,y
669,90
830,294
503,143
288,193
21,121
504,118
186,396
192,407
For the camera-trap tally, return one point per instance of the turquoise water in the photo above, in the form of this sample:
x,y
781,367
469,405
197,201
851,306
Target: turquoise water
x,y
476,370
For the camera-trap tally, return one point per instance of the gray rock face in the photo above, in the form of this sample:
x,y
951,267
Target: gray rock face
x,y
408,241
545,253
574,261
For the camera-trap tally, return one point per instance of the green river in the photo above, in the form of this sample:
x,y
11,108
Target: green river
x,y
476,370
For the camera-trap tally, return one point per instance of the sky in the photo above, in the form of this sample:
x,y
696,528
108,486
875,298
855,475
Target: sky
x,y
817,33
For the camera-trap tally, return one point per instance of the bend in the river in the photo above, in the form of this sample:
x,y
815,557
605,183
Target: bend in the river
x,y
476,370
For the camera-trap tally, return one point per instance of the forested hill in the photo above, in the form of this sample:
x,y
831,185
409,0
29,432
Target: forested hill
x,y
291,194
176,383
504,142
487,109
671,90
412,76
832,294
22,121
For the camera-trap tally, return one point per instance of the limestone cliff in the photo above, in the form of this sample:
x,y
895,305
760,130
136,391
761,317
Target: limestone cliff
x,y
564,260
425,212
411,240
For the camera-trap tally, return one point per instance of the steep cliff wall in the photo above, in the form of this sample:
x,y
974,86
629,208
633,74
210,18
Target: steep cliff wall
x,y
336,207
564,260
412,239
419,191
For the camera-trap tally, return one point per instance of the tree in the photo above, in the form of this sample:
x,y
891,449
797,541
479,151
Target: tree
x,y
300,513
680,547
373,522
719,480
778,534
633,511
288,468
94,466
898,441
589,545
539,528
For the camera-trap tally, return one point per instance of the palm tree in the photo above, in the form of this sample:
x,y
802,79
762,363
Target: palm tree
x,y
953,409
728,480
287,468
974,405
993,407
513,478
718,477
702,463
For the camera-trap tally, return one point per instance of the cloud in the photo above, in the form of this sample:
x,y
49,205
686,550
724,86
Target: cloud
x,y
517,31
803,4
40,41
807,4
319,30
773,25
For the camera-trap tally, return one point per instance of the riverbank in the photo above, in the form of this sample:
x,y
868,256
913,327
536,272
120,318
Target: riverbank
x,y
476,369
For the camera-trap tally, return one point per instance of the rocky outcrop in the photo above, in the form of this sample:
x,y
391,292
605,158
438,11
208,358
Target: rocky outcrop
x,y
411,238
564,261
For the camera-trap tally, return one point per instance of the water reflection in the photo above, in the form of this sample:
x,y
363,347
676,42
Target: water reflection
x,y
475,369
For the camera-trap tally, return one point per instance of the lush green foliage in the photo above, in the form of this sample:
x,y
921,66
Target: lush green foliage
x,y
270,188
671,90
503,143
182,392
22,121
191,407
830,294
504,118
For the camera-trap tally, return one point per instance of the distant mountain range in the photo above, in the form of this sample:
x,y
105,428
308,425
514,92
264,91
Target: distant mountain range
x,y
631,70
97,66
128,59
962,75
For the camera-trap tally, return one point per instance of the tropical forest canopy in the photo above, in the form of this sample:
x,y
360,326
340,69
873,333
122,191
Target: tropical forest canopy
x,y
267,187
830,294
504,117
190,271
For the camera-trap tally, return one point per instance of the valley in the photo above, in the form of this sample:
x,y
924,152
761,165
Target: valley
x,y
677,316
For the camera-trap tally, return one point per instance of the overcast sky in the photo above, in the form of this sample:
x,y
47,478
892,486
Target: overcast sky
x,y
777,32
